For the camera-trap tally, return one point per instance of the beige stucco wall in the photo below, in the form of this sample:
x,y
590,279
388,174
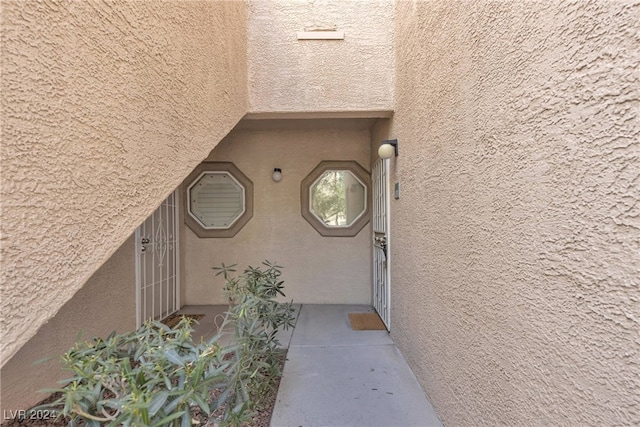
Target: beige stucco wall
x,y
516,273
287,74
106,303
106,107
316,269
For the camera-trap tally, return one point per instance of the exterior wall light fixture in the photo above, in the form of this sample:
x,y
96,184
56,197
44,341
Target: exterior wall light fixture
x,y
277,175
388,148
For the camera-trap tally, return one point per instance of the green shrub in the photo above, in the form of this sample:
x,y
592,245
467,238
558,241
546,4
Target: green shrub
x,y
157,376
153,376
256,317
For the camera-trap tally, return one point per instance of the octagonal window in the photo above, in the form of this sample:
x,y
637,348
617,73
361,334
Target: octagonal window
x,y
334,198
216,200
219,200
338,198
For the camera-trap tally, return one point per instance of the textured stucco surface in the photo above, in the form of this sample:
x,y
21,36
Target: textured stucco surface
x,y
106,303
286,74
516,275
106,107
317,270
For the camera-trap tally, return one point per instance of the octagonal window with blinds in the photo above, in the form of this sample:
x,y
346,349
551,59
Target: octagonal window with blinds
x,y
219,200
216,200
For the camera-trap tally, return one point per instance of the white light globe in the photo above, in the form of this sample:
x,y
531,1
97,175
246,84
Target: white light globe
x,y
386,151
277,175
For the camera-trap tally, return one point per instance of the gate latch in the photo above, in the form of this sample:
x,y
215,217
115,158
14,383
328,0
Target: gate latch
x,y
381,243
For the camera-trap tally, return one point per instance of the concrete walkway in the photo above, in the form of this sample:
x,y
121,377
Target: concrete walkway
x,y
335,376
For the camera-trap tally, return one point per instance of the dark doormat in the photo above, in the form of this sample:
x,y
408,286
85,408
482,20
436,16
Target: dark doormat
x,y
173,319
366,322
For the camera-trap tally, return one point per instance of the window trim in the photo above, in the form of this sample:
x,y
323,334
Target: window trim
x,y
305,195
193,184
218,167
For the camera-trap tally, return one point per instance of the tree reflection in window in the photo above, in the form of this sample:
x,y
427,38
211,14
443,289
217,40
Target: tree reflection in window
x,y
337,198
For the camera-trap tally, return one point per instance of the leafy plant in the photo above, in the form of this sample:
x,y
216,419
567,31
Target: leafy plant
x,y
157,376
154,376
256,317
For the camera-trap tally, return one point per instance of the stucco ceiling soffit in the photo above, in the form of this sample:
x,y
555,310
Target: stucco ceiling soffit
x,y
295,122
351,114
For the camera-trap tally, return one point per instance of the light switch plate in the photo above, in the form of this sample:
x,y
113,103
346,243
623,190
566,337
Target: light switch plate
x,y
396,190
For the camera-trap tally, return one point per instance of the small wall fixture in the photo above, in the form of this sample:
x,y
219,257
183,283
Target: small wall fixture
x,y
328,34
388,148
277,175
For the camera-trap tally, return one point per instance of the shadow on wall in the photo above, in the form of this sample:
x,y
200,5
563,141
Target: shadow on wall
x,y
106,303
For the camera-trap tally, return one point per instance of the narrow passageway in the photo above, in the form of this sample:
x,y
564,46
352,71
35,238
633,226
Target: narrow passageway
x,y
335,376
